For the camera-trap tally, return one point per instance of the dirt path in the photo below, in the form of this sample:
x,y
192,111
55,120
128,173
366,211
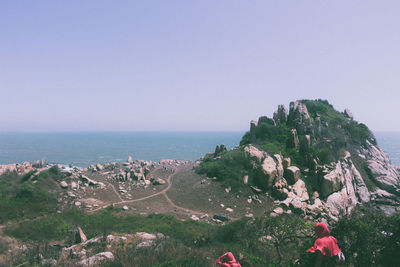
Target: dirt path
x,y
115,190
163,192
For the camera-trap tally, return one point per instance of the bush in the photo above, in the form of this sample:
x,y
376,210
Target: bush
x,y
228,169
19,197
371,238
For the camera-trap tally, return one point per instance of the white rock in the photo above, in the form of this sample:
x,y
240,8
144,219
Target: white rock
x,y
246,179
96,259
269,169
292,174
147,243
63,184
278,210
331,182
255,153
74,185
99,167
82,235
300,190
159,181
194,218
146,236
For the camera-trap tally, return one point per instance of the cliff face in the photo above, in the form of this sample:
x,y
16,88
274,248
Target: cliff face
x,y
318,161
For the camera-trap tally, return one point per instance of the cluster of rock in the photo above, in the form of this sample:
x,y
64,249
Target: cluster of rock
x,y
85,253
341,184
125,177
23,168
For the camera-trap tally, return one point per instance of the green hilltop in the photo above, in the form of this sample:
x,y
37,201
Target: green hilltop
x,y
316,136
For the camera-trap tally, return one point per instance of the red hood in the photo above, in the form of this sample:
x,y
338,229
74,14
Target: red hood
x,y
325,243
321,230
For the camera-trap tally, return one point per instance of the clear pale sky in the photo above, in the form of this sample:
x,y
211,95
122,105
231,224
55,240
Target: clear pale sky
x,y
193,65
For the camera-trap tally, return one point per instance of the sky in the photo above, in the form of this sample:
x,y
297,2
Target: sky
x,y
194,65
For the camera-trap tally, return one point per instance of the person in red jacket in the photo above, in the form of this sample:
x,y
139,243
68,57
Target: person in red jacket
x,y
326,246
228,260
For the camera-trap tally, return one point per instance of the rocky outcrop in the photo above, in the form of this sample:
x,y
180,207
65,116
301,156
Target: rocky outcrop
x,y
299,117
383,173
219,150
23,168
294,142
292,174
271,167
266,120
255,154
281,115
336,157
348,113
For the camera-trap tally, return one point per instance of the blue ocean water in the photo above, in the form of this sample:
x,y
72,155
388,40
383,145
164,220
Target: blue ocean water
x,y
83,149
390,143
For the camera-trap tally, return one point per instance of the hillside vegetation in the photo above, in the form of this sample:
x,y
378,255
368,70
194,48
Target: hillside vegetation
x,y
320,138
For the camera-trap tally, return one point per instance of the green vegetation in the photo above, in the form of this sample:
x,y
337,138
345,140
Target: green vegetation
x,y
370,238
27,197
60,226
188,242
228,167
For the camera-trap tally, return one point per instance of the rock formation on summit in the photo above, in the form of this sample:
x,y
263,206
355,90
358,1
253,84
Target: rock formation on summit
x,y
313,159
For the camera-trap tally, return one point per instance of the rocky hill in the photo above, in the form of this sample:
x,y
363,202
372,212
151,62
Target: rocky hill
x,y
312,159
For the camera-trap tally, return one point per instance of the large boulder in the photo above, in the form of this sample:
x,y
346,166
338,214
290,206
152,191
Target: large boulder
x,y
255,154
300,189
299,116
346,187
294,140
331,182
63,184
159,181
99,167
97,259
292,174
82,235
385,175
270,170
279,165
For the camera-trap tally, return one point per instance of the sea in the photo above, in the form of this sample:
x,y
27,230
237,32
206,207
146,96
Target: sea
x,y
83,149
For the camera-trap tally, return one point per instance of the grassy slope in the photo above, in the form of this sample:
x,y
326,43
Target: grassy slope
x,y
20,197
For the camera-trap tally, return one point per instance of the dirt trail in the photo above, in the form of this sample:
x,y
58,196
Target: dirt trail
x,y
163,192
115,190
